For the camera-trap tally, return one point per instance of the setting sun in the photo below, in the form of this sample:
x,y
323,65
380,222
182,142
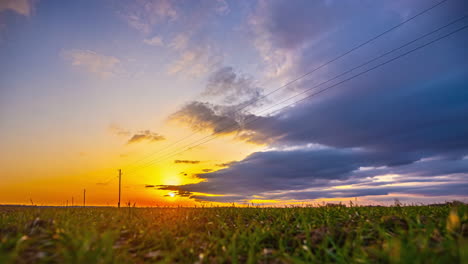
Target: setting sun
x,y
233,131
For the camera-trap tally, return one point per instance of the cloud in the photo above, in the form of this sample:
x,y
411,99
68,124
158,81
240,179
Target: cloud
x,y
148,15
201,116
231,86
291,25
101,65
188,29
235,92
400,121
180,41
215,119
288,170
118,130
154,41
221,7
322,120
195,61
222,120
320,176
287,34
400,136
22,7
145,135
143,15
292,38
226,164
218,199
186,161
444,189
400,129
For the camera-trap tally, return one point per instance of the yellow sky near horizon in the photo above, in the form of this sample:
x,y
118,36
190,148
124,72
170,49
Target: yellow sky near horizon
x,y
340,107
68,173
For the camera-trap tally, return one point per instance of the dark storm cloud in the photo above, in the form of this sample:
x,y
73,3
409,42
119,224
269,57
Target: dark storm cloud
x,y
395,117
145,136
280,171
287,170
409,113
427,118
404,117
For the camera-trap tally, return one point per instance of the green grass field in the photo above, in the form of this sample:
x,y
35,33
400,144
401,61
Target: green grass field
x,y
397,234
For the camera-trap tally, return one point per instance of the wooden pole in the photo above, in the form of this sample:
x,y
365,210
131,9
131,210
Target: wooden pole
x,y
120,186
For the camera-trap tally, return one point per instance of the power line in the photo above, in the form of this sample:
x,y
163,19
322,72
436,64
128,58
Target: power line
x,y
329,87
108,180
303,76
234,125
164,148
337,76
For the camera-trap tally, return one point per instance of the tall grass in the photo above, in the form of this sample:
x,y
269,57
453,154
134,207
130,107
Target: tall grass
x,y
397,234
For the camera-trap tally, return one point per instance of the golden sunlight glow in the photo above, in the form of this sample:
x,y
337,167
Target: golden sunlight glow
x,y
343,187
385,178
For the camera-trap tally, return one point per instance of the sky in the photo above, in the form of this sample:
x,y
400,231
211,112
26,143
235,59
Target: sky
x,y
220,101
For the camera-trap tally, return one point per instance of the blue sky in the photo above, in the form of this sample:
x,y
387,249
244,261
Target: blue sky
x,y
89,86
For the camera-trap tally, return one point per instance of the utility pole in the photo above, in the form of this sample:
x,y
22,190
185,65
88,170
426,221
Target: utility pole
x,y
120,185
84,197
72,200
